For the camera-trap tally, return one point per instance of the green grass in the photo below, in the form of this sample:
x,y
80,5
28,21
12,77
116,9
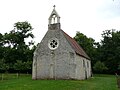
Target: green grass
x,y
24,82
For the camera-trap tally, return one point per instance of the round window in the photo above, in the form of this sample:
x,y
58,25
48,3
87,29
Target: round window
x,y
53,43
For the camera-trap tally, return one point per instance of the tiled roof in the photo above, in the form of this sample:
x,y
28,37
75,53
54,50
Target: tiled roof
x,y
78,49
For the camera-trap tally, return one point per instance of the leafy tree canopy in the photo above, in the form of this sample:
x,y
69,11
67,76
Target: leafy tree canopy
x,y
13,47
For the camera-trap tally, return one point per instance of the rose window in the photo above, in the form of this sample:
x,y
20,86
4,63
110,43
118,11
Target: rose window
x,y
53,43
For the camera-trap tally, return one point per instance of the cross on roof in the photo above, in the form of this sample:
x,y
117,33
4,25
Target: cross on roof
x,y
54,6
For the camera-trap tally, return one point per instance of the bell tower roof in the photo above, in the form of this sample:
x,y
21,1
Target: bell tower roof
x,y
54,20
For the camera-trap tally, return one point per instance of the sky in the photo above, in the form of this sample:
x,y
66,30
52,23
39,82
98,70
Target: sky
x,y
89,17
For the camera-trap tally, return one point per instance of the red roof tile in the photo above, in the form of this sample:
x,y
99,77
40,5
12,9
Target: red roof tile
x,y
78,49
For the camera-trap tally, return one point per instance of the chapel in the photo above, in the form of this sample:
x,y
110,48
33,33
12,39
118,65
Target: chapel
x,y
58,56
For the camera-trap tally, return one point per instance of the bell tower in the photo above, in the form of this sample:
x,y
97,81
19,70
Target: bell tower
x,y
54,20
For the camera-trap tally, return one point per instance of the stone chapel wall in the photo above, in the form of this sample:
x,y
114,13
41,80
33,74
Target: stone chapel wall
x,y
56,63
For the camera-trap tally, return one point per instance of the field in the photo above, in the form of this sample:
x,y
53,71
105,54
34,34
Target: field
x,y
24,82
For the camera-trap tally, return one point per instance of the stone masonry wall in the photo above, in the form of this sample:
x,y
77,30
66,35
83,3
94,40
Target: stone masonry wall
x,y
54,64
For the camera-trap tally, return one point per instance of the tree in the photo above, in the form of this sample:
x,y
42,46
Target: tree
x,y
1,40
1,46
3,66
99,67
16,37
88,44
110,50
15,47
21,66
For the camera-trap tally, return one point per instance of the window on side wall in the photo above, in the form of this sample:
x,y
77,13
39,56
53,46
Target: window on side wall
x,y
87,64
83,63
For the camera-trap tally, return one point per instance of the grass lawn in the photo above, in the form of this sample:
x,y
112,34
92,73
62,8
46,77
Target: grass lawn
x,y
24,82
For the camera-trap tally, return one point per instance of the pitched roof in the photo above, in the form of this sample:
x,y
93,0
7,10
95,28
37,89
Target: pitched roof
x,y
78,49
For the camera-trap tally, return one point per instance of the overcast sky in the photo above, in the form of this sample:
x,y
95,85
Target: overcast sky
x,y
89,17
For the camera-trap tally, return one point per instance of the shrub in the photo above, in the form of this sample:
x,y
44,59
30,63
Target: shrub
x,y
99,67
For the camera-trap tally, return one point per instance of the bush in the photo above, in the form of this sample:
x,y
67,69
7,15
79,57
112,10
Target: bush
x,y
99,67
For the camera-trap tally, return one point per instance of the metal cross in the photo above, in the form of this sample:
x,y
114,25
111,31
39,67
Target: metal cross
x,y
54,6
